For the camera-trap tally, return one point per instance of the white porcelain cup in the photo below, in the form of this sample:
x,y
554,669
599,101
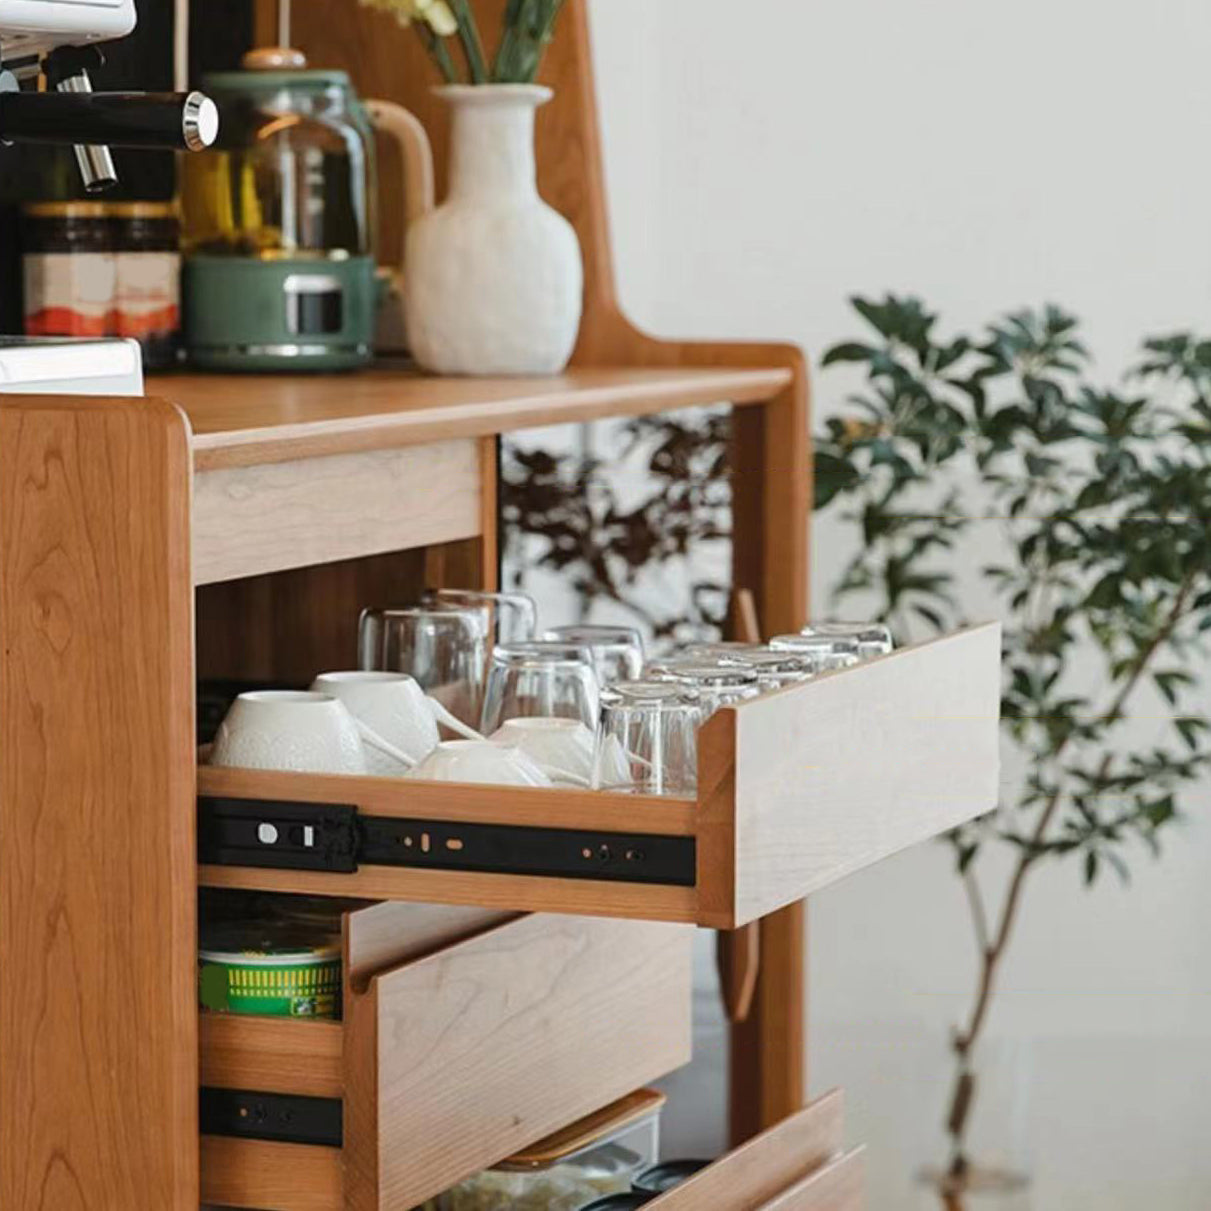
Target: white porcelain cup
x,y
557,746
479,761
393,709
289,730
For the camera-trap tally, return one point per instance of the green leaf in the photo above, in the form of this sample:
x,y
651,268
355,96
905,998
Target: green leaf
x,y
851,351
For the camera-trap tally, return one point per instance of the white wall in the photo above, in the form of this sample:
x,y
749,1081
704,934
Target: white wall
x,y
766,160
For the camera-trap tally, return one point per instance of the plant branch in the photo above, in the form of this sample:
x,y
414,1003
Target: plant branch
x,y
994,953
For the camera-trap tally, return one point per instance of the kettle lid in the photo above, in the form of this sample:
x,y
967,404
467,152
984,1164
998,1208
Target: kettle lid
x,y
274,58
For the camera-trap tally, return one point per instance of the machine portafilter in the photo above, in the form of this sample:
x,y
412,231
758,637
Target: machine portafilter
x,y
94,121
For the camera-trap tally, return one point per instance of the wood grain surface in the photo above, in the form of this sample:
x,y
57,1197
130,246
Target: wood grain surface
x,y
763,1169
271,1055
98,1027
243,421
253,520
458,1060
853,766
258,1175
839,1185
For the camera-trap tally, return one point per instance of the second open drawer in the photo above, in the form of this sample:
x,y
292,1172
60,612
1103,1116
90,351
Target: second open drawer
x,y
467,1035
796,789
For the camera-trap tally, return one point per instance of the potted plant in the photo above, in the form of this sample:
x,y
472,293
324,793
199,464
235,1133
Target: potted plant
x,y
495,278
1103,498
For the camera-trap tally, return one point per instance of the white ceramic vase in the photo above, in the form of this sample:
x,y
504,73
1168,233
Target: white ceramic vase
x,y
495,280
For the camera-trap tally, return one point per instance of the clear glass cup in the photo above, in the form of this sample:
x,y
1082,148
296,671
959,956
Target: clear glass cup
x,y
541,680
720,650
443,650
824,651
617,651
714,685
873,638
647,743
775,670
507,617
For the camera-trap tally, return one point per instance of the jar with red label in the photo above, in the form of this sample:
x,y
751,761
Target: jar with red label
x,y
147,305
70,269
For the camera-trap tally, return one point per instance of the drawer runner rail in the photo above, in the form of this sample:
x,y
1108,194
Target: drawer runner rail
x,y
338,838
276,1117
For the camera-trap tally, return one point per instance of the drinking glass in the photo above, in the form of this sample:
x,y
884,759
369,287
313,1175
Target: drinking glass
x,y
719,650
873,639
824,652
617,651
540,679
647,743
714,685
775,670
507,617
443,650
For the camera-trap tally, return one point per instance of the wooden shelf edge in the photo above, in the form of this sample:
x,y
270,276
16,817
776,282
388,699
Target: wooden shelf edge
x,y
238,421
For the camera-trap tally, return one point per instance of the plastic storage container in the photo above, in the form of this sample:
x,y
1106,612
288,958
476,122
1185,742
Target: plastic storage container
x,y
595,1157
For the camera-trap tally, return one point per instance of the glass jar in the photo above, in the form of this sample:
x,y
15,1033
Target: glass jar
x,y
600,1155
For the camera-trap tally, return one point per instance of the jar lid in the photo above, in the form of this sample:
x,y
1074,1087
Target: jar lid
x,y
272,80
141,210
66,210
590,1132
666,1175
620,1202
268,943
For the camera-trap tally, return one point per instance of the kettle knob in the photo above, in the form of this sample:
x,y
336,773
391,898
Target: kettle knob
x,y
274,58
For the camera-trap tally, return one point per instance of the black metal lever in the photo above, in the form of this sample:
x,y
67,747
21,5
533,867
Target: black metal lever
x,y
177,121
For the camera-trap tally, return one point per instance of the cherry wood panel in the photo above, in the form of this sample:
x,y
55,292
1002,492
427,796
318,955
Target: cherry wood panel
x,y
761,1170
456,1061
271,1055
253,520
258,1175
98,1030
249,420
839,1185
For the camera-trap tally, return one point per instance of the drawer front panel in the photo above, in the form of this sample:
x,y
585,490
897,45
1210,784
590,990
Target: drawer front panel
x,y
252,520
286,1177
800,788
459,1060
769,1167
838,1186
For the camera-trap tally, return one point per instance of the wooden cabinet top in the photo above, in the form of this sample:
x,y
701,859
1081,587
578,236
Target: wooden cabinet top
x,y
244,420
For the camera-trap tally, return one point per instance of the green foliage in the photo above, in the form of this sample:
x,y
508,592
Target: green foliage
x,y
1087,511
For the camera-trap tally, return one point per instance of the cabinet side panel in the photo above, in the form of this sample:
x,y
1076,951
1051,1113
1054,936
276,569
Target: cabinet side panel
x,y
98,1027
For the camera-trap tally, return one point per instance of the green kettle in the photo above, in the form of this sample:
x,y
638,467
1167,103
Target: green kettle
x,y
278,219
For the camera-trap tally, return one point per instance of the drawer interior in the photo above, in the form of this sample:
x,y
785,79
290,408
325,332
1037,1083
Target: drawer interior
x,y
797,789
466,1035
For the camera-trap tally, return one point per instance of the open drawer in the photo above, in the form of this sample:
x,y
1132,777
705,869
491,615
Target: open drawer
x,y
796,790
467,1035
796,1166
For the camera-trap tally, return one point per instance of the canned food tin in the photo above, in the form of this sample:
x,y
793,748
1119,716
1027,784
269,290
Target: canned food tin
x,y
270,969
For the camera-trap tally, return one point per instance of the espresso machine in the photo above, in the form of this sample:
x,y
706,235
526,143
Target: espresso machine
x,y
58,40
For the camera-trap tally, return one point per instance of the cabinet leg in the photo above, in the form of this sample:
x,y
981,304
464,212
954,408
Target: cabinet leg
x,y
768,1062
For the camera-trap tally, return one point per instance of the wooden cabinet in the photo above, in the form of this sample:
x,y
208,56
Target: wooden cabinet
x,y
466,1036
233,528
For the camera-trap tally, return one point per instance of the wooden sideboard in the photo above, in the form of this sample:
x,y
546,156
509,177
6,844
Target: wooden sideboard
x,y
232,527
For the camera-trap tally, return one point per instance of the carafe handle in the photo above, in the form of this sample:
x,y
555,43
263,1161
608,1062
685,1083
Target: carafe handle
x,y
416,153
